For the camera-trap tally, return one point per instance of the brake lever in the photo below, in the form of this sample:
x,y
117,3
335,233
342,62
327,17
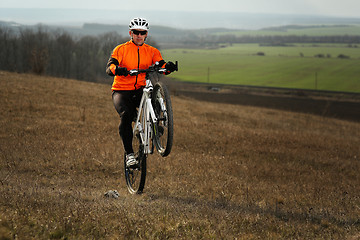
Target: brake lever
x,y
133,72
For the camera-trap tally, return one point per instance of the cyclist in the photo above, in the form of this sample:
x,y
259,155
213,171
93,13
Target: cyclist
x,y
127,89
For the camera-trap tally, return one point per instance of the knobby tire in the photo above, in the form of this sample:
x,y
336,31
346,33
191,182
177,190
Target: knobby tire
x,y
164,129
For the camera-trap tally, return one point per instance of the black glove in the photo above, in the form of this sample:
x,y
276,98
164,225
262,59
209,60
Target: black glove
x,y
121,71
170,66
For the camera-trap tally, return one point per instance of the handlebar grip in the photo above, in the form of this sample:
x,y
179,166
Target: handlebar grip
x,y
176,65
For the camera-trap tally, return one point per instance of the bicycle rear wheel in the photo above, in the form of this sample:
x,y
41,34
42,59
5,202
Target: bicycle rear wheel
x,y
135,177
164,128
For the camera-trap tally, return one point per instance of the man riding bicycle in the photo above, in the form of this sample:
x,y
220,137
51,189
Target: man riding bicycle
x,y
126,89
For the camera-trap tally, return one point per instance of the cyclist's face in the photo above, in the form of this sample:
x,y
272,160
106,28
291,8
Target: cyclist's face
x,y
138,38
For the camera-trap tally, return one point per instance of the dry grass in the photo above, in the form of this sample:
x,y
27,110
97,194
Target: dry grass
x,y
235,172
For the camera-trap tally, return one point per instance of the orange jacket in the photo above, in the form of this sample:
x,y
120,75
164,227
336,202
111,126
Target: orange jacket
x,y
131,56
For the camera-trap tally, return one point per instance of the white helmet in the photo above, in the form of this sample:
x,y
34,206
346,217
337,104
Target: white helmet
x,y
139,23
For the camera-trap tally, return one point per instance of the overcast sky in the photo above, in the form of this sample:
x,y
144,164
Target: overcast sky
x,y
343,8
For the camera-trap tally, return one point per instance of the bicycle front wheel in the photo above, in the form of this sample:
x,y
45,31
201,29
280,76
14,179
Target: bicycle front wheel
x,y
135,177
164,128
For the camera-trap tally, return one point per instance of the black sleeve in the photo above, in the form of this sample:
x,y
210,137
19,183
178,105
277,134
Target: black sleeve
x,y
111,61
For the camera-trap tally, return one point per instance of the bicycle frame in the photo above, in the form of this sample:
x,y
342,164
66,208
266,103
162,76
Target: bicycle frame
x,y
146,118
153,127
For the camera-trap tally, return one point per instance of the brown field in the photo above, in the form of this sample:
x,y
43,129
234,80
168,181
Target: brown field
x,y
235,172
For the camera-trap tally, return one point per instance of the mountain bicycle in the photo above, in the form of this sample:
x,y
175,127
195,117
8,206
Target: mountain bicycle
x,y
153,127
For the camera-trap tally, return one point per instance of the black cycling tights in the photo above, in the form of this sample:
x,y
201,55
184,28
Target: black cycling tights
x,y
125,103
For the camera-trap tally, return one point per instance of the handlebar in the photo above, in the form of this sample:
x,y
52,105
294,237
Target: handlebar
x,y
154,68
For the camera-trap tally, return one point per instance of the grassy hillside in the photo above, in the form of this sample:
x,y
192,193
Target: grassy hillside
x,y
235,171
290,67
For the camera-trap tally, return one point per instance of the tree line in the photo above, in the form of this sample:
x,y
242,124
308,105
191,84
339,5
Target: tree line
x,y
194,40
57,53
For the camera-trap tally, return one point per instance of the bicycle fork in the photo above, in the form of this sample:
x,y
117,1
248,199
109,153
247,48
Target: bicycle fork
x,y
163,109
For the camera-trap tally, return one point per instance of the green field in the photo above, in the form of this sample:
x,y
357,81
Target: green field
x,y
291,67
323,30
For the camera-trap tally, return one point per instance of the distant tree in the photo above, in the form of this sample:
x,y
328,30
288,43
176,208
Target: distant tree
x,y
38,60
85,62
109,41
8,46
33,51
343,56
62,51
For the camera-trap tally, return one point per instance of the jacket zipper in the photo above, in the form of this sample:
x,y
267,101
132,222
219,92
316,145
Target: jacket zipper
x,y
138,51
